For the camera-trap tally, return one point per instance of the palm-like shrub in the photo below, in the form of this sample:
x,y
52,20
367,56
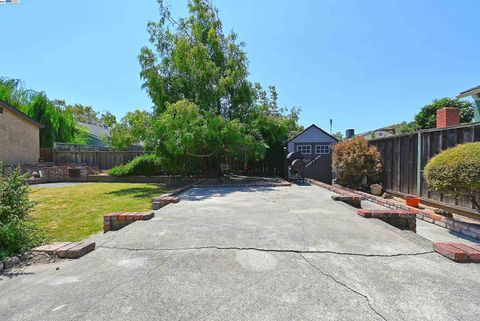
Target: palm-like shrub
x,y
356,164
456,172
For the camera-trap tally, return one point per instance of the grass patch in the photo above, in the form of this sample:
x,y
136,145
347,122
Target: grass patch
x,y
73,213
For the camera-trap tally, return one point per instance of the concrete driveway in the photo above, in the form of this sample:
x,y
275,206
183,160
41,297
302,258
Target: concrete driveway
x,y
250,254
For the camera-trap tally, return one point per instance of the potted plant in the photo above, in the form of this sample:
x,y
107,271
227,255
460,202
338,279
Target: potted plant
x,y
376,189
412,200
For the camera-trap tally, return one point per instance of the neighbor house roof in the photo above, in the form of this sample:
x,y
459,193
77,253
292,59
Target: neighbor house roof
x,y
20,114
469,92
313,125
385,129
95,130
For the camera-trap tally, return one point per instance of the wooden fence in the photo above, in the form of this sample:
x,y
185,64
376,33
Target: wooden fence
x,y
102,159
405,156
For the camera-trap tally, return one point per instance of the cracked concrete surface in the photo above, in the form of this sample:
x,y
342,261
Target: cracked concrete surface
x,y
250,254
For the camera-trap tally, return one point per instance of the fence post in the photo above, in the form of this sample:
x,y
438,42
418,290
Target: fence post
x,y
419,164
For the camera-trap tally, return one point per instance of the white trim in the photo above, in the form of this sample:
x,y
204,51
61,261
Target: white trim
x,y
308,147
318,149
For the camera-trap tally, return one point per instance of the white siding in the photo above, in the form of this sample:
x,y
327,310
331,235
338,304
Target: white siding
x,y
311,135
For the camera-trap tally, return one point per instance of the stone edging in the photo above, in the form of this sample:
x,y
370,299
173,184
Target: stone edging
x,y
118,220
467,229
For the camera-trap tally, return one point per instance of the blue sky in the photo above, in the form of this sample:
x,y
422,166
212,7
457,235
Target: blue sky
x,y
365,64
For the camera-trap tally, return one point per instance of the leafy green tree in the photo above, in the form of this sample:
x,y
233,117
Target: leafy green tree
x,y
135,128
192,59
84,114
59,125
427,117
205,109
108,119
339,136
80,136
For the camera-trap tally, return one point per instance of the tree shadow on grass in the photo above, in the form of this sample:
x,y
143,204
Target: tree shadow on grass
x,y
138,192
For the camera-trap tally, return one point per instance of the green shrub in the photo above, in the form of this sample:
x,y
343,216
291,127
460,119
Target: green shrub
x,y
145,165
356,164
456,172
17,233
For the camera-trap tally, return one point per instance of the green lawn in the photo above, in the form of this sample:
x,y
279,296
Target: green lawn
x,y
73,213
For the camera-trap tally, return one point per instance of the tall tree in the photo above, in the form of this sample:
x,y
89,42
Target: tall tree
x,y
59,125
192,59
427,116
205,109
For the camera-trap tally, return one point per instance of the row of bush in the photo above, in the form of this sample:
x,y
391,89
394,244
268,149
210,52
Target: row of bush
x,y
17,232
145,165
455,171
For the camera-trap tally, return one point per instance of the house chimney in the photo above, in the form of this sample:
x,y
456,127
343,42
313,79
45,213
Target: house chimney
x,y
349,133
448,116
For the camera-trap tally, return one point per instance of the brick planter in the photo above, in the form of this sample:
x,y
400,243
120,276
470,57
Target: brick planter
x,y
403,220
116,221
468,229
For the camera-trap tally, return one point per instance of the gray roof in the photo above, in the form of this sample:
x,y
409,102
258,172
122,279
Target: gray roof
x,y
315,126
95,130
469,92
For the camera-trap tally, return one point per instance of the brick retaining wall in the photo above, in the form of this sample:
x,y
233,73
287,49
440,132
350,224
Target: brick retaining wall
x,y
468,229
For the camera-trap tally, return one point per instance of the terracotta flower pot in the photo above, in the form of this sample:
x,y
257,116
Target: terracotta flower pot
x,y
412,200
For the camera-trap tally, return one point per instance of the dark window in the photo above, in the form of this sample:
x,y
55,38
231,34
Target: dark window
x,y
1,110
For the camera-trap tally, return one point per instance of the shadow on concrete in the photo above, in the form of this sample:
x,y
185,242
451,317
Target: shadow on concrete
x,y
203,193
464,237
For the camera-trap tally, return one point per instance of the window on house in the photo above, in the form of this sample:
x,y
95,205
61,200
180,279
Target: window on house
x,y
322,149
304,149
1,110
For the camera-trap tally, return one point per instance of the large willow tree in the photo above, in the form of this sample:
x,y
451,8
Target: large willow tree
x,y
59,125
204,105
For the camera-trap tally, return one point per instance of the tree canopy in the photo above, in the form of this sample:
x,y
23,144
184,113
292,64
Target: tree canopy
x,y
59,125
427,116
205,108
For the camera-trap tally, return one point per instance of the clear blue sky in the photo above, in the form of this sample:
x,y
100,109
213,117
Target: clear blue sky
x,y
366,64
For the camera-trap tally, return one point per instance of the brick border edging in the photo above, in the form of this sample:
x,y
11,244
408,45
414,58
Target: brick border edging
x,y
467,229
118,220
458,252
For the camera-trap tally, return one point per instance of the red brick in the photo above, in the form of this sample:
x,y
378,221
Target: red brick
x,y
122,216
436,217
473,253
364,213
450,252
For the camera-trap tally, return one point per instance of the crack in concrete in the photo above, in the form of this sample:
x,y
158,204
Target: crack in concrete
x,y
344,285
235,248
302,222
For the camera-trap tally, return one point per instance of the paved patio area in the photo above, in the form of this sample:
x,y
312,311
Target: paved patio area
x,y
288,253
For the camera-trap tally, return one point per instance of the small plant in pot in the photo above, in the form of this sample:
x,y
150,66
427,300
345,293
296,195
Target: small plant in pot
x,y
376,189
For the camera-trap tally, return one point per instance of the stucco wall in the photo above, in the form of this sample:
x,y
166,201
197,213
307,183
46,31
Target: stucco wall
x,y
19,140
